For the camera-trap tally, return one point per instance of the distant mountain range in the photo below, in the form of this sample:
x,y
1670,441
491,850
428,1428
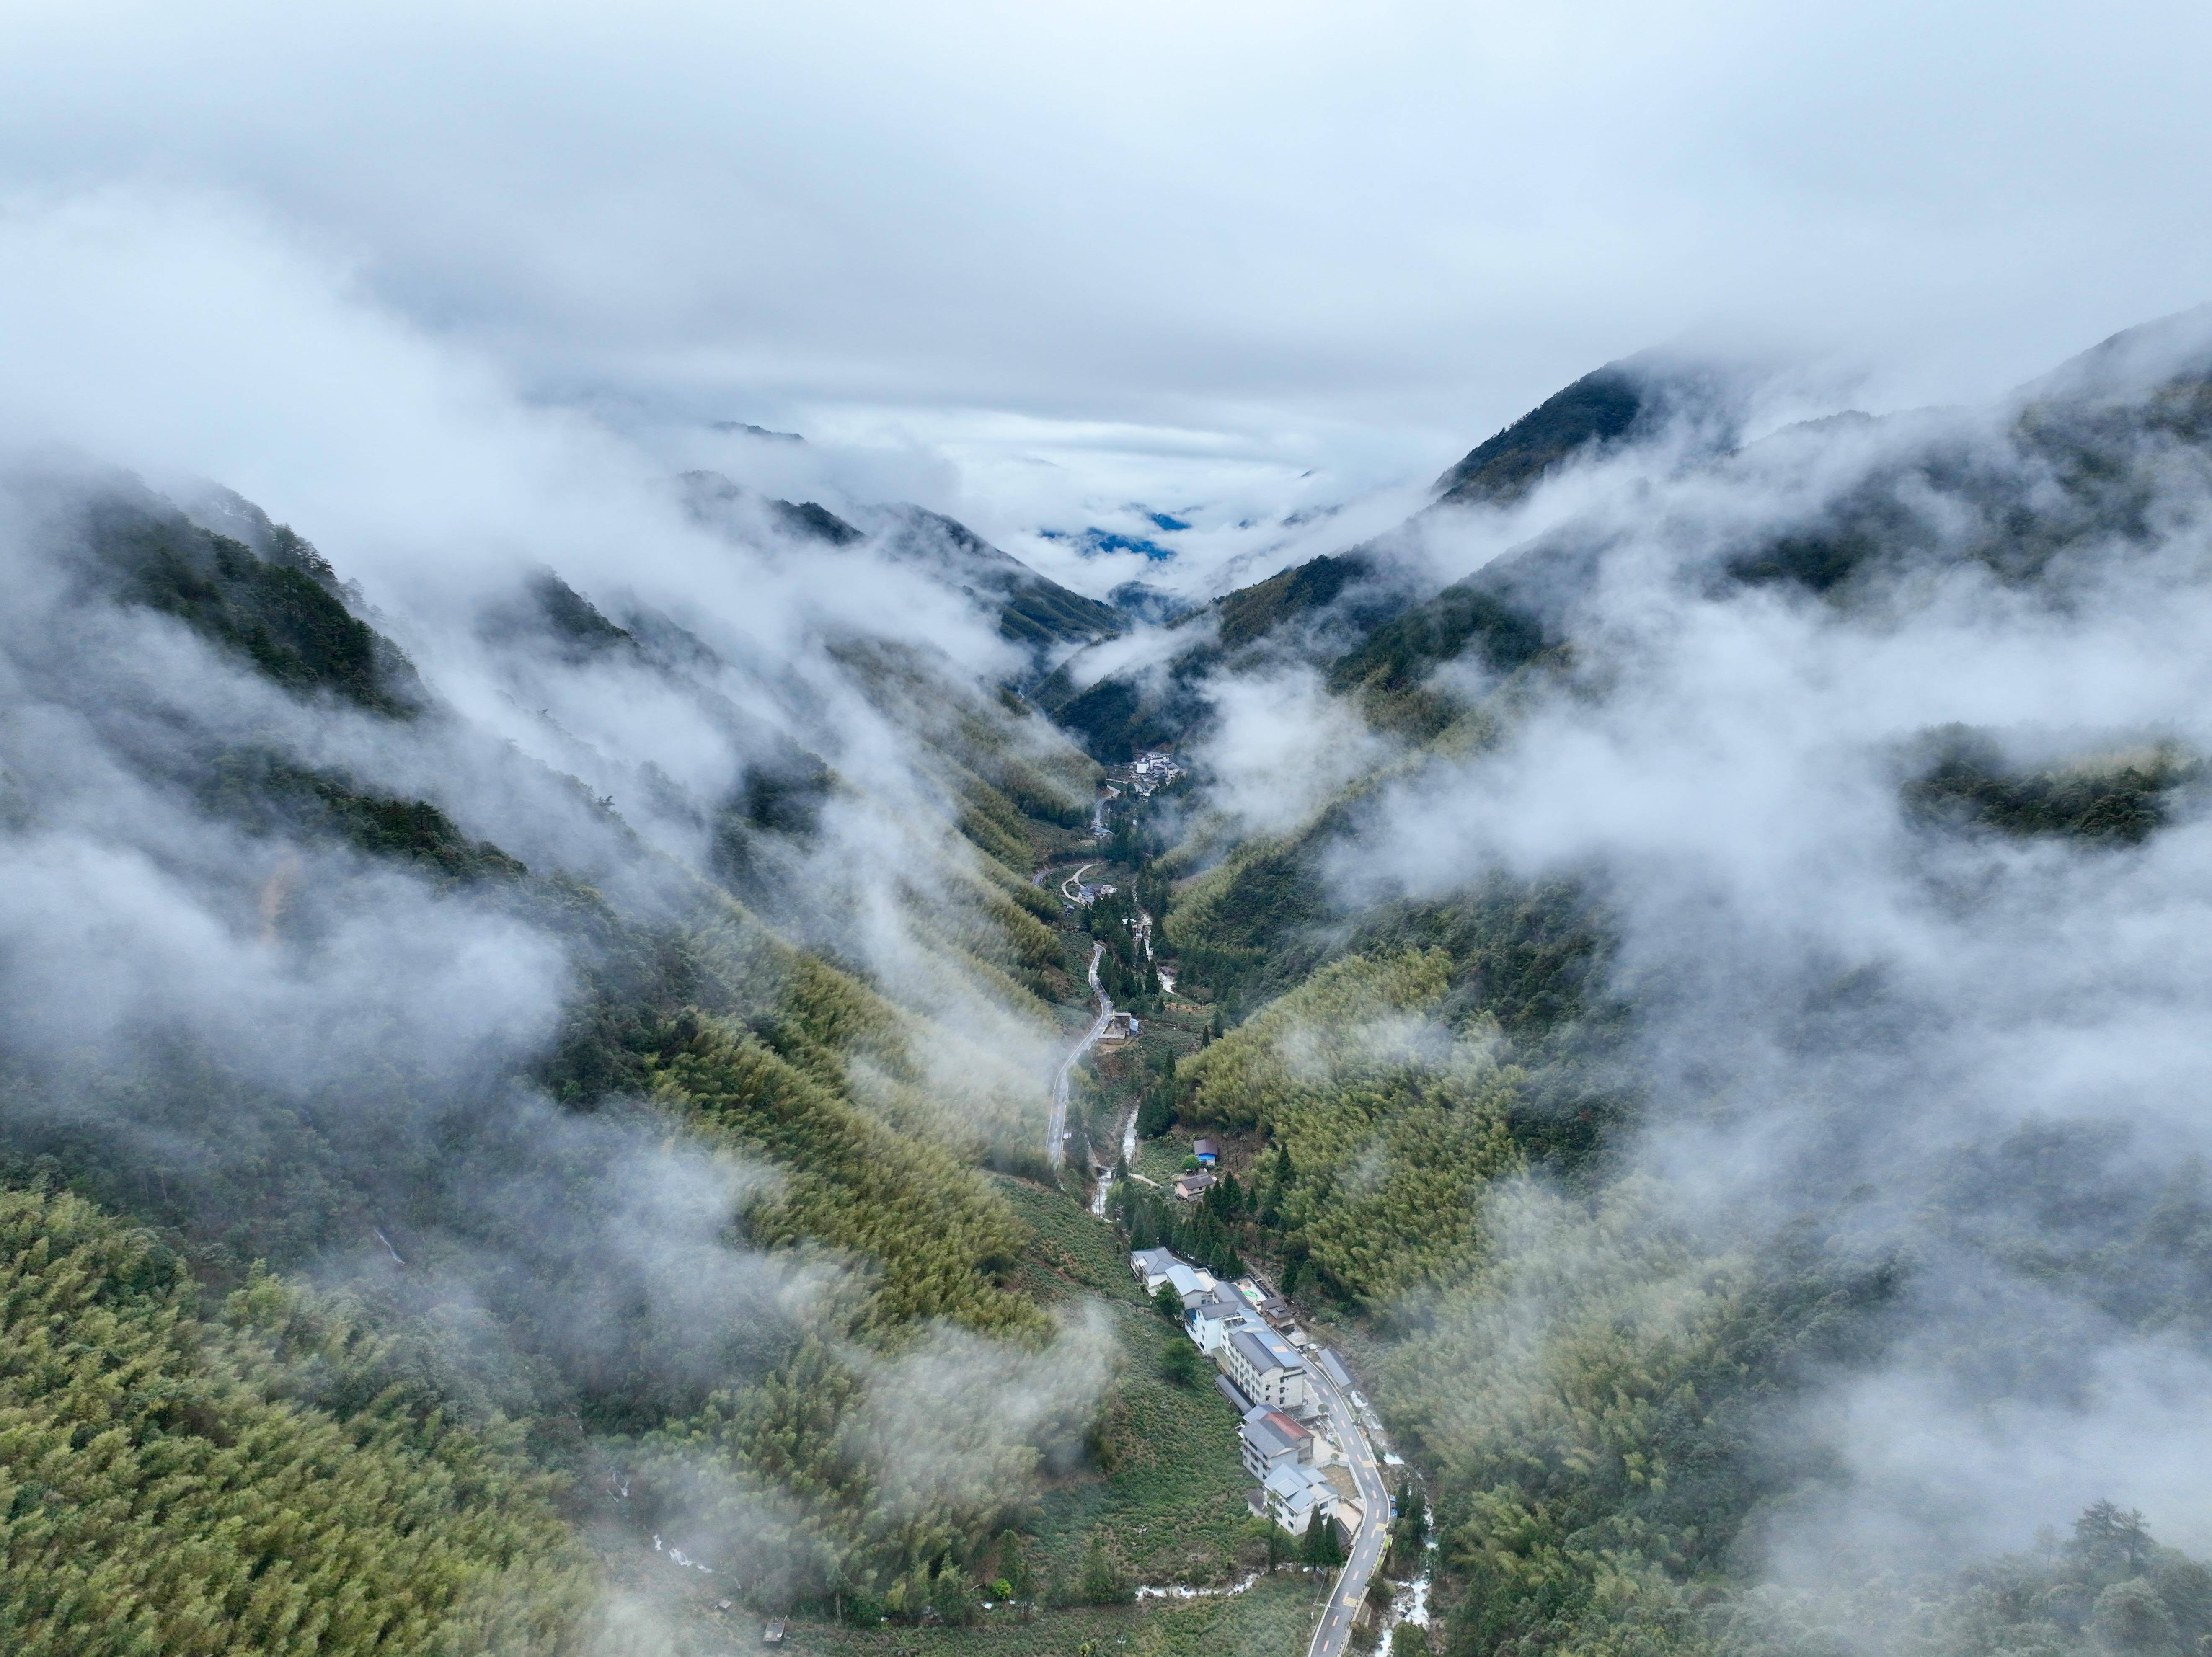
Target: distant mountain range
x,y
1371,619
1032,609
549,1080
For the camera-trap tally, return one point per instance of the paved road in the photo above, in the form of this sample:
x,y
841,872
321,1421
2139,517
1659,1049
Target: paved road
x,y
1055,1135
1335,1627
1333,1633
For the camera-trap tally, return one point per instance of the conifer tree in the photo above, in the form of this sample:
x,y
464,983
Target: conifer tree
x,y
1320,1545
1102,1581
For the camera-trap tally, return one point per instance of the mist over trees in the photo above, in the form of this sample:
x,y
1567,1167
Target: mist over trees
x,y
476,1164
530,1021
1716,1048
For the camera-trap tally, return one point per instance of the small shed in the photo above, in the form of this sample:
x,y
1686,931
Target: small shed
x,y
1208,1151
773,1634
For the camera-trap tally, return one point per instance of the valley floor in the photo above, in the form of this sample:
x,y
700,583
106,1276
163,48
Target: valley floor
x,y
1270,1619
1171,1509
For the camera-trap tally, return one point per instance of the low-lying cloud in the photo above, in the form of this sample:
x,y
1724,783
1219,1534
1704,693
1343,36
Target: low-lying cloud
x,y
1846,1017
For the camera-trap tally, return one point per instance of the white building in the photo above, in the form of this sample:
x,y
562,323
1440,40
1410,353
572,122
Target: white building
x,y
1268,1439
1150,1266
1294,1495
1288,1498
1192,1283
1265,1368
1155,1266
1215,1318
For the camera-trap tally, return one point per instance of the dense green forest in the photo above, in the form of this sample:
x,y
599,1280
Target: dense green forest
x,y
267,1478
1963,777
698,1251
464,1155
1439,1105
1354,1072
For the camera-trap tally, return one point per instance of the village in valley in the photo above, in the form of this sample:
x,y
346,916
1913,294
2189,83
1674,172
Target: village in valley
x,y
1146,772
1305,1439
1233,1497
1287,1439
1292,1397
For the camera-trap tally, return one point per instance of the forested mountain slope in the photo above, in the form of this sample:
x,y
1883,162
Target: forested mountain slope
x,y
1713,1055
1031,610
2072,465
1638,399
264,1480
516,1057
613,1020
1330,610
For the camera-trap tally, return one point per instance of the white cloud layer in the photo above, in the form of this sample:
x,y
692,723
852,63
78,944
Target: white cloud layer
x,y
1144,249
1849,1021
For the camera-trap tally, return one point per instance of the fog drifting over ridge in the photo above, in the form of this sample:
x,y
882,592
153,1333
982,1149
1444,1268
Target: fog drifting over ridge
x,y
458,294
1076,258
1967,1054
198,1000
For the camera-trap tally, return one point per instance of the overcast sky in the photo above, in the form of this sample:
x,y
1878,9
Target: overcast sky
x,y
1174,252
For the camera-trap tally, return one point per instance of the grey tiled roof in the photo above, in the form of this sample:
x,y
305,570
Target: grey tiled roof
x,y
1266,1432
1263,1351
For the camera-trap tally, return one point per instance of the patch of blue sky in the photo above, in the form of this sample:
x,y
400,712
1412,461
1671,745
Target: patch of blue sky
x,y
1092,542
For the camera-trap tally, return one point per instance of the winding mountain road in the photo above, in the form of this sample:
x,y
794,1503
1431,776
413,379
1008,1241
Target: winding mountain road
x,y
1055,1136
1334,1629
1332,1635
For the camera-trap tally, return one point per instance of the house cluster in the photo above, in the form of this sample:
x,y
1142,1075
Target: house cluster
x,y
1264,1362
1191,1187
1155,770
1082,894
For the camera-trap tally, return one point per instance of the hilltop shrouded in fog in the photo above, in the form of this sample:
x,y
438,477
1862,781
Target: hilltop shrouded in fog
x,y
696,709
1708,991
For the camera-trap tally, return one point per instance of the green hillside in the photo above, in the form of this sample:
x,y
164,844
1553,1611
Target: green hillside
x,y
1439,1105
536,1142
1599,408
265,1480
665,1255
